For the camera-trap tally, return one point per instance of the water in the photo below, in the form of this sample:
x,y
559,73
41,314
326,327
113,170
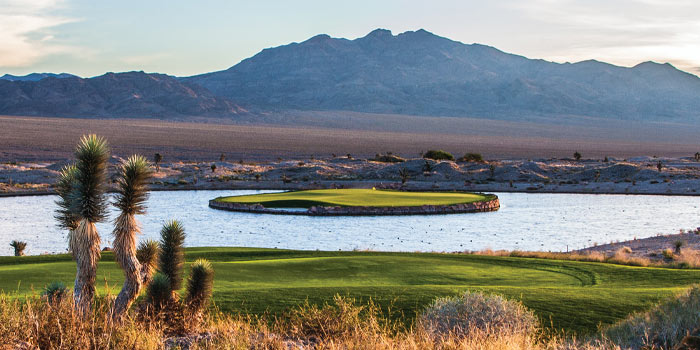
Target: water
x,y
525,221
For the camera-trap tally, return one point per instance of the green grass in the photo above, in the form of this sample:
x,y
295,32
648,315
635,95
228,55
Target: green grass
x,y
356,197
575,296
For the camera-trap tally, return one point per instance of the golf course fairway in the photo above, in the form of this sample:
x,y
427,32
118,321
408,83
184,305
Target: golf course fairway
x,y
356,197
569,295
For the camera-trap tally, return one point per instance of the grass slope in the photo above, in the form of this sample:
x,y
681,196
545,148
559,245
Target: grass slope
x,y
355,197
575,296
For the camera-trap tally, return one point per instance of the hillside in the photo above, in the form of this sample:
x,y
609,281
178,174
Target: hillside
x,y
421,73
35,76
130,94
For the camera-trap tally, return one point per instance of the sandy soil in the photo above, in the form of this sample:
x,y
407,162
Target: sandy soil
x,y
41,139
650,247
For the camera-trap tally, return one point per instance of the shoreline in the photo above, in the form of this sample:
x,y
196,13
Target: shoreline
x,y
278,186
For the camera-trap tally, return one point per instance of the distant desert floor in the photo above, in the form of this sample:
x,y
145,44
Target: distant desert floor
x,y
38,138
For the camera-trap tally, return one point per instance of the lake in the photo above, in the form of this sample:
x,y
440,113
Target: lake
x,y
526,221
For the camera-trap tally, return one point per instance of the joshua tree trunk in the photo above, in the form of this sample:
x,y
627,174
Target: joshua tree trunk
x,y
136,274
85,245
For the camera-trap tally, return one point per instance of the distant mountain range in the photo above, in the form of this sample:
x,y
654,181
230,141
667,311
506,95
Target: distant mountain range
x,y
416,73
35,76
131,94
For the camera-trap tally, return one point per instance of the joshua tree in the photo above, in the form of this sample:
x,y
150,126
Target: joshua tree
x,y
697,156
577,155
199,285
403,173
19,247
605,160
157,158
659,166
172,254
222,157
213,168
134,175
87,202
678,244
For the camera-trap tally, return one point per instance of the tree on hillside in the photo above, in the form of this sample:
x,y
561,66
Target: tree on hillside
x,y
157,158
85,205
577,155
132,193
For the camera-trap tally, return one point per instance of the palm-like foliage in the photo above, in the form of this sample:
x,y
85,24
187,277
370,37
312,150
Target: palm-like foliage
x,y
147,254
88,195
67,218
172,253
199,285
87,202
19,247
159,292
132,193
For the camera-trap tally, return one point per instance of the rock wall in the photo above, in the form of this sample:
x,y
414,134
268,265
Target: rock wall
x,y
491,205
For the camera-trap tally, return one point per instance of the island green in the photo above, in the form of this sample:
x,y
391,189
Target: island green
x,y
356,197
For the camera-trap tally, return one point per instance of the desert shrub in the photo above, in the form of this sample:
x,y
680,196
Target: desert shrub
x,y
667,254
678,244
438,155
471,312
577,155
471,157
159,291
342,318
388,158
661,327
54,292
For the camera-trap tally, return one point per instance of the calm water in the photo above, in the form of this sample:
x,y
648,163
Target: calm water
x,y
525,221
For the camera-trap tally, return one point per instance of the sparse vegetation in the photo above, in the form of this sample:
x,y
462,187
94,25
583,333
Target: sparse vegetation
x,y
472,157
404,175
18,247
577,156
438,155
388,158
213,168
157,158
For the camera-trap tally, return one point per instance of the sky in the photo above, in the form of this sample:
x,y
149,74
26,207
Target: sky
x,y
89,38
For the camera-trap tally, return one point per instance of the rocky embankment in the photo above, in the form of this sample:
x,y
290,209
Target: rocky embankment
x,y
485,206
676,176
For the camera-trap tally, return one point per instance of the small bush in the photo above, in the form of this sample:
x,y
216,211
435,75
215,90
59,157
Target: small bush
x,y
678,244
388,158
477,312
667,254
438,155
159,291
472,157
577,155
54,292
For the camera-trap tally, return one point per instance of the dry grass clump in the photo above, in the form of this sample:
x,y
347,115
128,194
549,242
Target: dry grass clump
x,y
662,327
687,258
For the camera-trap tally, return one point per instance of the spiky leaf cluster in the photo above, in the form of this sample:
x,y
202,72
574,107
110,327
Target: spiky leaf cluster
x,y
19,247
67,181
172,253
55,291
132,192
147,253
199,284
159,291
87,198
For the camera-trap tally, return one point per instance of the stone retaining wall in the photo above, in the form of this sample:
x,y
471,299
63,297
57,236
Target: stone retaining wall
x,y
491,205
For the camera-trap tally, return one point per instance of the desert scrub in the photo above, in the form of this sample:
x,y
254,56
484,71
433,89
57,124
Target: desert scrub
x,y
661,327
471,157
471,312
18,247
438,155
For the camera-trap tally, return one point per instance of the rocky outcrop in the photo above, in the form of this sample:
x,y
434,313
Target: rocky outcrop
x,y
485,206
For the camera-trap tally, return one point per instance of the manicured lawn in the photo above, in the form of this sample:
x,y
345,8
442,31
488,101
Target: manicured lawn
x,y
575,296
356,197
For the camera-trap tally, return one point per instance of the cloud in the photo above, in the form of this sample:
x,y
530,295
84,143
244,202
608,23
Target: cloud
x,y
625,31
26,31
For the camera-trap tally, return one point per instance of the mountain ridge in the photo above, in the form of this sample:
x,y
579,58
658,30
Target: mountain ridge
x,y
420,73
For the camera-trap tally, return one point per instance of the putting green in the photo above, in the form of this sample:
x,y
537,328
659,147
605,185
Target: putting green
x,y
356,197
569,295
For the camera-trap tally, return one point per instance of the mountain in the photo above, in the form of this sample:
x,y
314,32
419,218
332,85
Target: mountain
x,y
420,73
35,76
130,94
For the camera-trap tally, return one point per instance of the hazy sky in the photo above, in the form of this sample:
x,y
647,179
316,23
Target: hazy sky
x,y
90,37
